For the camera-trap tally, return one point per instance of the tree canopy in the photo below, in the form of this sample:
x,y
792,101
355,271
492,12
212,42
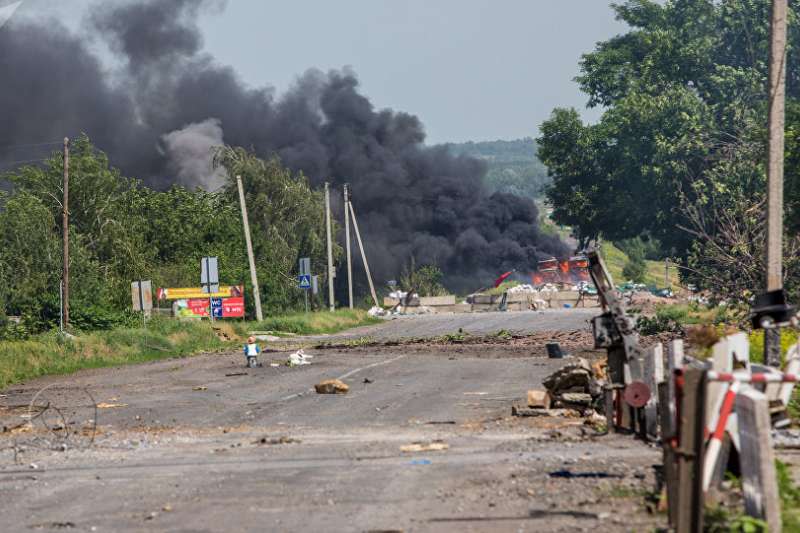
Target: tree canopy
x,y
683,130
122,231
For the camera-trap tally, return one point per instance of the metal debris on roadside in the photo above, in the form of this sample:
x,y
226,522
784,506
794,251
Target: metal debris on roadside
x,y
331,386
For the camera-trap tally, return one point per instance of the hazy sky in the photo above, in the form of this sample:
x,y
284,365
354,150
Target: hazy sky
x,y
470,69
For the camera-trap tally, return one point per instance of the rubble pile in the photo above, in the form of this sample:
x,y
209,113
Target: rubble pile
x,y
573,386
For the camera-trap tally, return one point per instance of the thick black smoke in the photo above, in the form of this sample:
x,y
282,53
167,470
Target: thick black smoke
x,y
167,103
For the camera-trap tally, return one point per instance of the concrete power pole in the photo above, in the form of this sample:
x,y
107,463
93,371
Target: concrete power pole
x,y
777,97
331,272
347,245
65,231
250,258
363,255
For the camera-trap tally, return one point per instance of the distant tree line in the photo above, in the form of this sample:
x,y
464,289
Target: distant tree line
x,y
512,166
677,157
122,231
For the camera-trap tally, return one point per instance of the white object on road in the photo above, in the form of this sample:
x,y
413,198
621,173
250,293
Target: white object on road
x,y
299,358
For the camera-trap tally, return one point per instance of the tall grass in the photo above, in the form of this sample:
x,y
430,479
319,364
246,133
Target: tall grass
x,y
314,323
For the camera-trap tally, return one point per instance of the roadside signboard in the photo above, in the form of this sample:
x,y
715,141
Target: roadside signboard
x,y
182,293
142,295
198,307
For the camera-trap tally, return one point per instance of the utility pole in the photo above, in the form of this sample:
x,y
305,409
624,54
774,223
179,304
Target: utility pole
x,y
65,230
331,272
363,255
347,244
251,259
777,97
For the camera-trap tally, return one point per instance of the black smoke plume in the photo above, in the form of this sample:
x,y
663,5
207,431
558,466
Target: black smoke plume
x,y
166,102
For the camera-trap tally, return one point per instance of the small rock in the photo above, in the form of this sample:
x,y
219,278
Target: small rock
x,y
331,386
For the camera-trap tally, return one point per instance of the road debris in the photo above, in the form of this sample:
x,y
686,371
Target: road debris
x,y
376,311
554,350
568,474
527,411
435,446
368,381
283,439
539,399
331,386
573,385
200,388
232,374
299,358
108,405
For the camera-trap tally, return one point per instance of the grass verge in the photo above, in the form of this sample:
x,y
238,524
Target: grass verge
x,y
311,323
48,353
615,260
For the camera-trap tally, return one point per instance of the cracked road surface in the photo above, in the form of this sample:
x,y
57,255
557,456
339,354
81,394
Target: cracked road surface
x,y
203,444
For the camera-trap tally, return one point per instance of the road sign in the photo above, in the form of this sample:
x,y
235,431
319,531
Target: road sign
x,y
142,295
304,281
305,266
182,293
209,271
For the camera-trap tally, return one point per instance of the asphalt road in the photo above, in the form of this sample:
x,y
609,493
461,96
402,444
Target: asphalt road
x,y
419,326
203,444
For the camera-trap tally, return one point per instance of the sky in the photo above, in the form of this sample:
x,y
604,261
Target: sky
x,y
469,69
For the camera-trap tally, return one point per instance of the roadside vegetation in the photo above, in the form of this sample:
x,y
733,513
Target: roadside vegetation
x,y
163,338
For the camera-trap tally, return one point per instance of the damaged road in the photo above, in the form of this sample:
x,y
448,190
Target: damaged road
x,y
424,440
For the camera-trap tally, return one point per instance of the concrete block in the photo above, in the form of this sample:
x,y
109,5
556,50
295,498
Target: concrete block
x,y
432,301
539,399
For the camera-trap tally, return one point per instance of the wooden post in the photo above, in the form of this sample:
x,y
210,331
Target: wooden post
x,y
250,258
65,232
653,374
363,256
667,399
690,452
331,272
759,480
347,245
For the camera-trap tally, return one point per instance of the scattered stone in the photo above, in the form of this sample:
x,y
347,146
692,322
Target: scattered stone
x,y
331,386
539,399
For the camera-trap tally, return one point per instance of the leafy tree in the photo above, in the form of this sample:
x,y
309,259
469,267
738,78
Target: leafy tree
x,y
683,131
122,231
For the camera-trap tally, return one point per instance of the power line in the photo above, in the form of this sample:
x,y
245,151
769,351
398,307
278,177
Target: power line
x,y
30,145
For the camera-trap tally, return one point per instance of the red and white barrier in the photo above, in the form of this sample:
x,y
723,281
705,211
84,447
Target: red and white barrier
x,y
775,377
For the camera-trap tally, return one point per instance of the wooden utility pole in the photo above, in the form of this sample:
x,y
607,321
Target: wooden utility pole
x,y
777,97
363,255
347,244
65,232
331,272
250,258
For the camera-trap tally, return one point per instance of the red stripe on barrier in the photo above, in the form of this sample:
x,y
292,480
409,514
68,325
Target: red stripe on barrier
x,y
727,407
